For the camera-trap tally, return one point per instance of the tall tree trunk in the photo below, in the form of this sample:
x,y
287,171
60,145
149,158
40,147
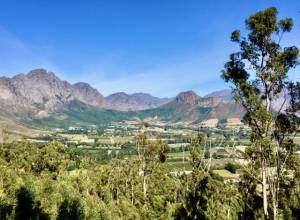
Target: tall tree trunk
x,y
274,207
264,189
228,212
132,194
138,146
144,181
145,187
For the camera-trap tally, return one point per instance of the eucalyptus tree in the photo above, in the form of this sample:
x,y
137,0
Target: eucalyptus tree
x,y
258,73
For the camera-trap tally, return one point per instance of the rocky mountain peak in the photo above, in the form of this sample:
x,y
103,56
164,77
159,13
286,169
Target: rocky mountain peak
x,y
41,74
86,88
85,93
187,97
42,91
39,71
118,95
82,85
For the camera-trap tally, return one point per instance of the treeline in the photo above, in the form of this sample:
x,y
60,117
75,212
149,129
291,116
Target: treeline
x,y
52,182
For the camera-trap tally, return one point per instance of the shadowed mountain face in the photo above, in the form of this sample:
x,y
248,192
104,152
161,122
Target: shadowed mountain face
x,y
134,102
191,98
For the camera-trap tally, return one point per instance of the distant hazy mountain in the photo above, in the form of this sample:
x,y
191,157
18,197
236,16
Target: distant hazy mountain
x,y
224,94
280,103
134,102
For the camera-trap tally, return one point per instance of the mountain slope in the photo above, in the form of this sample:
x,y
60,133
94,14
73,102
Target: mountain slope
x,y
134,102
76,113
188,106
41,93
89,95
225,95
40,99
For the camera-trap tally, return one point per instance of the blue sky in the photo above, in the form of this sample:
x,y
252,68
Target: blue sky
x,y
157,46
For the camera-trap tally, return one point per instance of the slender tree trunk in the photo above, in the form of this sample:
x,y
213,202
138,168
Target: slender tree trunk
x,y
144,181
275,187
126,187
210,158
274,207
132,194
145,187
275,197
264,189
182,154
138,146
228,212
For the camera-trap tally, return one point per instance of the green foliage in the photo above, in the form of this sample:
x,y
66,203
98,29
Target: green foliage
x,y
210,199
5,209
41,182
263,58
82,115
70,210
53,181
27,208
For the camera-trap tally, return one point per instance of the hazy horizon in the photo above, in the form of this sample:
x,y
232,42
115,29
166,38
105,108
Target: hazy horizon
x,y
160,48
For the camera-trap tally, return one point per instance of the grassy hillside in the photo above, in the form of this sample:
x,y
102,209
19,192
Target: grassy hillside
x,y
77,113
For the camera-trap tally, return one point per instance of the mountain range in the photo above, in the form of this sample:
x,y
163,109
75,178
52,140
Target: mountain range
x,y
40,96
189,107
134,102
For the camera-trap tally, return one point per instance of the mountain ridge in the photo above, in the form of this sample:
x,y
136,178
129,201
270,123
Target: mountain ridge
x,y
134,102
224,94
41,95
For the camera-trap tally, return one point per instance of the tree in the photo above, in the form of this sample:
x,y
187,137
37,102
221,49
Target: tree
x,y
197,152
70,210
26,207
154,152
230,167
259,75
